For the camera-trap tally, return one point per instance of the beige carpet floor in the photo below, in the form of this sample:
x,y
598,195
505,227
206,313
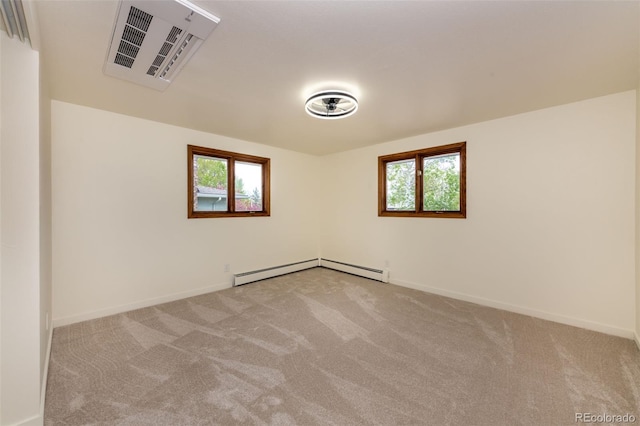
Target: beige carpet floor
x,y
321,347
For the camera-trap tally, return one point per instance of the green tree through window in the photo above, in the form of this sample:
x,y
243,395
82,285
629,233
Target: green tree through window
x,y
211,172
441,183
401,185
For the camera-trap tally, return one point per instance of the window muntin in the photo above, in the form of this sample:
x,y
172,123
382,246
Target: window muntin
x,y
224,184
428,183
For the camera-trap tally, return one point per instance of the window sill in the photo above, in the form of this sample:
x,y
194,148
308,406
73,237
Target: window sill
x,y
446,215
204,215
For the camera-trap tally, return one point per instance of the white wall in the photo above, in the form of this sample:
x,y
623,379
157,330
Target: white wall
x,y
45,228
121,237
637,328
19,234
550,226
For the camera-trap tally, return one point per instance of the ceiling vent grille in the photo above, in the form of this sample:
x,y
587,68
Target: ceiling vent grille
x,y
164,51
13,19
139,19
152,41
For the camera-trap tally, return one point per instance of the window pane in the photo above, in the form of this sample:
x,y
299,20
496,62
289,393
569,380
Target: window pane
x,y
248,181
441,176
401,185
210,183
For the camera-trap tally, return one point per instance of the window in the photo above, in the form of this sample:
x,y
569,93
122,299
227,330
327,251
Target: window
x,y
226,184
429,182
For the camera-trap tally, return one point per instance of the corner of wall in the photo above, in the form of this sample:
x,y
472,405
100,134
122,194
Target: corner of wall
x,y
20,226
45,223
45,374
1,350
637,213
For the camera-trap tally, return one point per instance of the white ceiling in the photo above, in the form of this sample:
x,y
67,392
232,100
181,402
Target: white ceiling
x,y
415,66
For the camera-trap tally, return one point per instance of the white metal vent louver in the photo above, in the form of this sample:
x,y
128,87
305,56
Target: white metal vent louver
x,y
153,40
13,19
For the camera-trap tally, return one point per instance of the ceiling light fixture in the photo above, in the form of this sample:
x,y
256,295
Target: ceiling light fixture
x,y
331,104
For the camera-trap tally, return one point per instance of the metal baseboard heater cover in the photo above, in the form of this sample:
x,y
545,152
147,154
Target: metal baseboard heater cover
x,y
363,271
263,274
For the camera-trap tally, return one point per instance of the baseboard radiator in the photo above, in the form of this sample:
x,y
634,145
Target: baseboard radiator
x,y
363,271
274,271
263,274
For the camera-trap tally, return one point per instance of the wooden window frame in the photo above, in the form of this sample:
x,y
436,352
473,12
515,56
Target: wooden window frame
x,y
231,158
419,156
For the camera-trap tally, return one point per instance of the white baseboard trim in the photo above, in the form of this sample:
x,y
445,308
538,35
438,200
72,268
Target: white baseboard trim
x,y
31,421
39,419
562,319
59,322
45,372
